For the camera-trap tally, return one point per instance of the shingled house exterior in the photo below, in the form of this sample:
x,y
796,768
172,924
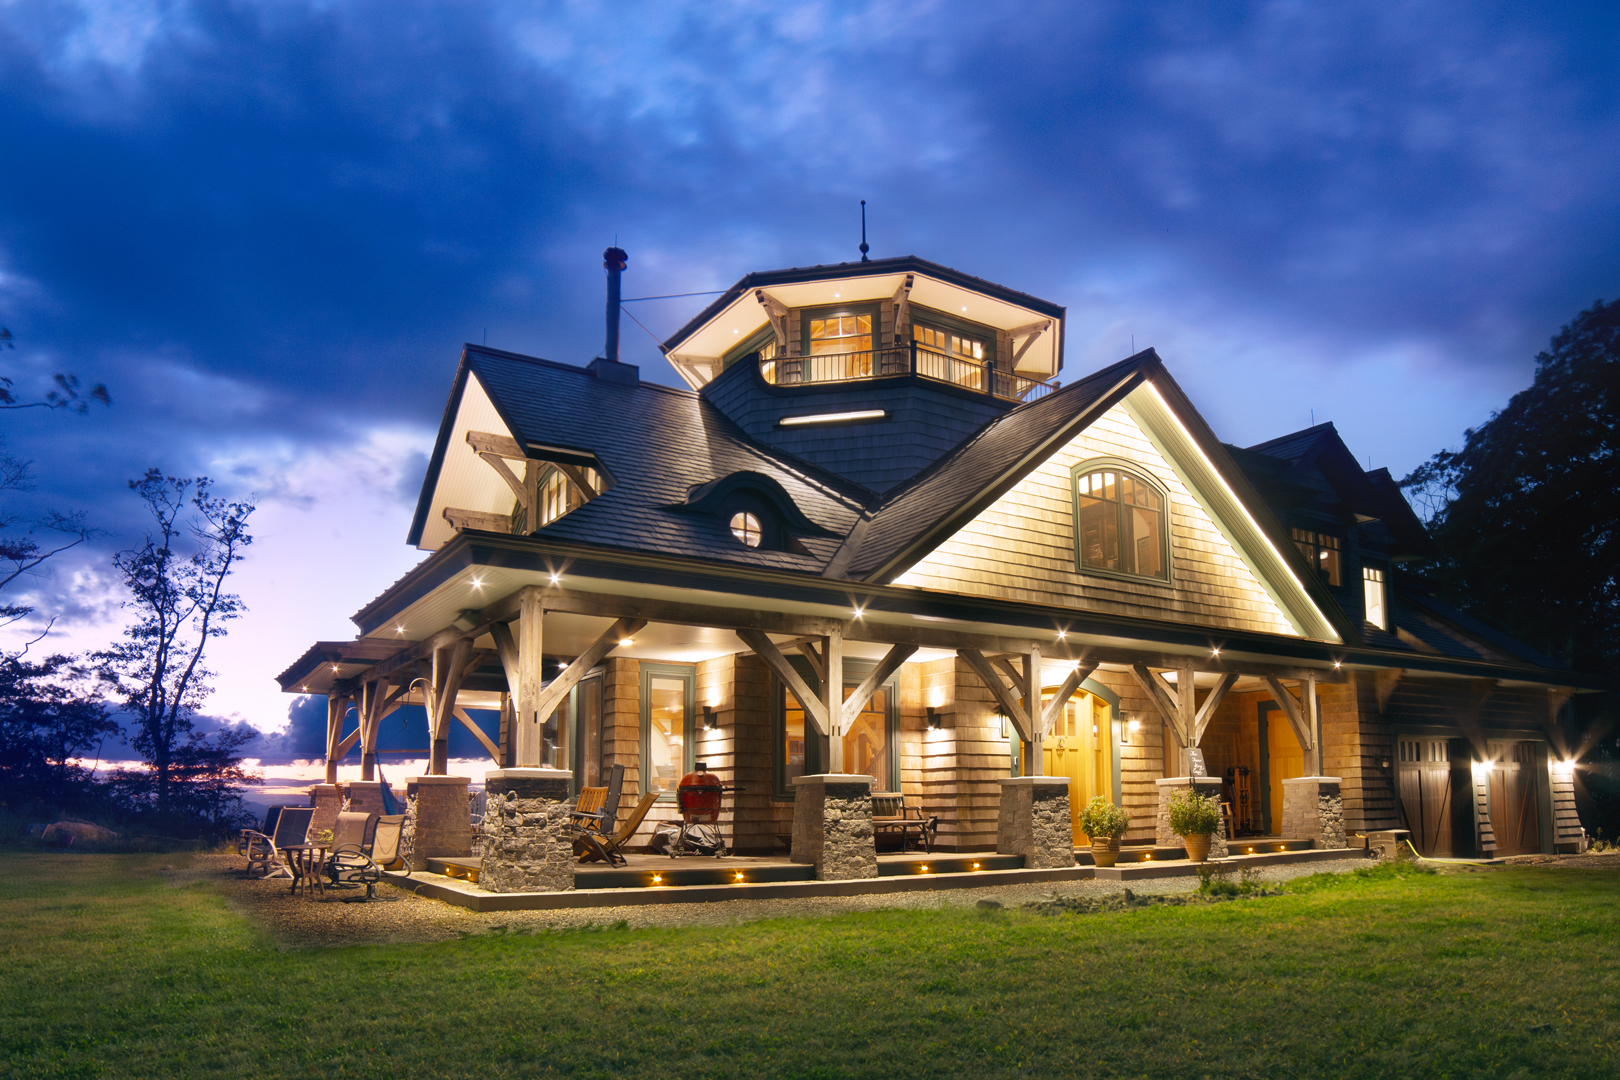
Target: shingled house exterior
x,y
877,545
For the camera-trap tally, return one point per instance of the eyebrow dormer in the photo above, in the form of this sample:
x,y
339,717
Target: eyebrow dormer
x,y
856,322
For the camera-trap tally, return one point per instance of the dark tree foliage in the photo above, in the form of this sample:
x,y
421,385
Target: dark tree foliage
x,y
1527,511
50,719
176,581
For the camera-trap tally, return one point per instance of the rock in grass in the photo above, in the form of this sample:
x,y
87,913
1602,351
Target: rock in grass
x,y
989,905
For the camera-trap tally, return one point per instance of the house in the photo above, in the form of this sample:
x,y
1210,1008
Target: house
x,y
879,544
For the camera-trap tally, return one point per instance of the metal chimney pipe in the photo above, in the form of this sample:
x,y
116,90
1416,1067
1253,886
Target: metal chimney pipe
x,y
615,260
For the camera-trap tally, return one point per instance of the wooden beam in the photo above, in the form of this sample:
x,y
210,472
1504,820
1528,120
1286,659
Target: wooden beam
x,y
576,476
1479,692
1163,696
494,751
809,697
777,312
346,745
506,648
879,675
1212,701
531,661
477,519
484,442
1034,330
1065,691
681,613
807,646
1290,707
337,707
448,671
512,479
557,689
992,680
832,699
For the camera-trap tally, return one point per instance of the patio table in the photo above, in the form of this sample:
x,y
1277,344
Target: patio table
x,y
306,861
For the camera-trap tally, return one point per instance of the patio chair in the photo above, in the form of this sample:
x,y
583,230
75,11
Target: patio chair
x,y
373,865
610,849
255,845
351,846
292,829
604,817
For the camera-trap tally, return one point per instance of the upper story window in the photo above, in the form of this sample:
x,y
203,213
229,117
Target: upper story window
x,y
762,344
558,495
1120,523
951,356
1321,551
746,527
1372,588
838,344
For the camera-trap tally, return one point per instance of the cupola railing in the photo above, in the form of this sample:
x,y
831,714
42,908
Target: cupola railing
x,y
980,376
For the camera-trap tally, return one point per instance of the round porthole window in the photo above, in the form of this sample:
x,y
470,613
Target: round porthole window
x,y
745,527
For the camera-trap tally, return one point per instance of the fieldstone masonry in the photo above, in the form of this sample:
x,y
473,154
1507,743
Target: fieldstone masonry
x,y
436,818
1313,810
1034,822
526,845
327,802
832,826
1164,836
363,796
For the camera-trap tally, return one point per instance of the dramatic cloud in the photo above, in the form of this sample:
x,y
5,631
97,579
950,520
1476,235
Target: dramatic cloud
x,y
268,226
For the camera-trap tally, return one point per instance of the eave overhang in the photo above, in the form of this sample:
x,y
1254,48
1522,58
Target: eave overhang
x,y
442,586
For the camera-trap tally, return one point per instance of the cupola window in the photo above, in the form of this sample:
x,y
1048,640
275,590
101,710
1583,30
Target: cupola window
x,y
746,527
1120,523
1321,550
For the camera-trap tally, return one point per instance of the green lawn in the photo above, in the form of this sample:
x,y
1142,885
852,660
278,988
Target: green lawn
x,y
108,971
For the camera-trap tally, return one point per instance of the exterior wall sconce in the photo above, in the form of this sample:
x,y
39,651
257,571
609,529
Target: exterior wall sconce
x,y
710,721
1131,728
934,719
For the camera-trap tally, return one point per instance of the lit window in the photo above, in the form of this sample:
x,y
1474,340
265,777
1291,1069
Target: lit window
x,y
1372,587
745,527
1321,551
1121,524
949,357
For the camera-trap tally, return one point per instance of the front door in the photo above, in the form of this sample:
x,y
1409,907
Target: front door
x,y
1514,815
1424,782
1078,747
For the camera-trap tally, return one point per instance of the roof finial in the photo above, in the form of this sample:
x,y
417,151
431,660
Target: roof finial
x,y
864,248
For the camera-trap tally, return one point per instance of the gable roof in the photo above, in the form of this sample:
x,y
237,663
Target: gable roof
x,y
658,444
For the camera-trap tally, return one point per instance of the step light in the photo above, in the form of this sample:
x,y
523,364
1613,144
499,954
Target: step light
x,y
833,417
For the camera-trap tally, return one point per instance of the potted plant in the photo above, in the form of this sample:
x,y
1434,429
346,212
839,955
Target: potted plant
x,y
1105,823
1194,818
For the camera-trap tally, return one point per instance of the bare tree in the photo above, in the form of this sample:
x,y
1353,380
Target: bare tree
x,y
181,605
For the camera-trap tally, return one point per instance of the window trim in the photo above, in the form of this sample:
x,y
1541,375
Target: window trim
x,y
1314,560
873,308
854,672
1137,472
943,320
687,672
1382,582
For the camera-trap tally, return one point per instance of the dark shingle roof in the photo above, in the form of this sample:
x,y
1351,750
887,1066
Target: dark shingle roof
x,y
959,486
658,443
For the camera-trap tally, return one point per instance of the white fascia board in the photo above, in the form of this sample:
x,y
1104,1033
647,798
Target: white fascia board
x,y
1172,439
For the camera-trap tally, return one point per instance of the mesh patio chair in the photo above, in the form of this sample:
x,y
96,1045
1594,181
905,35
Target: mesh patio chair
x,y
352,838
256,846
373,865
292,829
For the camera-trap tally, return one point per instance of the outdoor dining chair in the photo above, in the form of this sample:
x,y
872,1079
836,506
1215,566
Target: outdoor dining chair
x,y
351,842
256,846
369,866
292,829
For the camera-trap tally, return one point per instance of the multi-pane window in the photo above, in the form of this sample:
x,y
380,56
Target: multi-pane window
x,y
558,495
868,741
745,527
949,357
839,346
1121,524
1372,587
841,334
1321,550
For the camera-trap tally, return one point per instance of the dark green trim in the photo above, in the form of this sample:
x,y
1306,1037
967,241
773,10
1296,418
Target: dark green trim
x,y
814,746
687,672
1137,472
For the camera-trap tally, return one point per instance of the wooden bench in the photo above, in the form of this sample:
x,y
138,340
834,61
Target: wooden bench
x,y
893,816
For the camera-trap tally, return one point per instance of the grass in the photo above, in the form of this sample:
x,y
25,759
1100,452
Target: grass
x,y
108,971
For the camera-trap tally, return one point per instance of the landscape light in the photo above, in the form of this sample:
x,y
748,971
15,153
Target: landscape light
x,y
975,866
924,868
658,879
739,875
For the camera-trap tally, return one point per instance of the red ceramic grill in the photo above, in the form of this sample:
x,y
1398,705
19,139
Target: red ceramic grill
x,y
698,796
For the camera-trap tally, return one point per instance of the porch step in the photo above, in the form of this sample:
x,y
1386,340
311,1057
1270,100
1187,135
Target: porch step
x,y
693,870
1245,846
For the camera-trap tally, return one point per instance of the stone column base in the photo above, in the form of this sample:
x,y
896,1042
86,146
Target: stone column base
x,y
526,843
327,801
437,824
1033,821
1207,785
1313,810
363,796
832,826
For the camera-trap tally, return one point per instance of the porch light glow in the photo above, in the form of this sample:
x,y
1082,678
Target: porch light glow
x,y
975,866
625,641
1336,665
399,629
1564,768
478,583
833,417
739,876
556,579
1215,652
924,868
857,613
1062,635
1134,726
1147,856
658,879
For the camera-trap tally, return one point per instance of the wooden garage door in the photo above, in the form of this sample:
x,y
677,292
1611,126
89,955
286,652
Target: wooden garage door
x,y
1424,779
1515,816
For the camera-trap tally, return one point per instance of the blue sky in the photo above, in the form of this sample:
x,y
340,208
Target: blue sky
x,y
269,226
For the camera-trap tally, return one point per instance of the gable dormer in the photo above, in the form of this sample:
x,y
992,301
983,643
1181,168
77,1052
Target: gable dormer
x,y
872,370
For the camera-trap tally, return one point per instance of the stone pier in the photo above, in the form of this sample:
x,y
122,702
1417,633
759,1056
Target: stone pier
x,y
362,796
526,843
832,826
327,801
1033,821
1207,785
1313,810
437,824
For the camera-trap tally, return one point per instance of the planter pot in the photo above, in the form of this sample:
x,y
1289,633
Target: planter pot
x,y
1105,851
1197,847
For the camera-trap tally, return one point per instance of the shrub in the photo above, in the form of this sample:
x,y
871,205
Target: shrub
x,y
1192,814
1101,819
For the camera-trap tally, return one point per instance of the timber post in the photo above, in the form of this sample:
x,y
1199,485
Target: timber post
x,y
531,754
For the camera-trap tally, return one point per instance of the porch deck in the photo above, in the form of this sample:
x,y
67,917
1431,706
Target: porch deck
x,y
658,879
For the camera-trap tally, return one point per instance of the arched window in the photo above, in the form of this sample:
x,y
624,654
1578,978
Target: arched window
x,y
1120,522
745,527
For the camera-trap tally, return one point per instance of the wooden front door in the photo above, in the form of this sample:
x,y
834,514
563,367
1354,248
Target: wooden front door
x,y
1285,759
1078,747
1424,783
1515,816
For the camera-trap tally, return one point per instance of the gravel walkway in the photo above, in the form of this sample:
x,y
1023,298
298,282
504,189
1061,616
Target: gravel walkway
x,y
297,922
